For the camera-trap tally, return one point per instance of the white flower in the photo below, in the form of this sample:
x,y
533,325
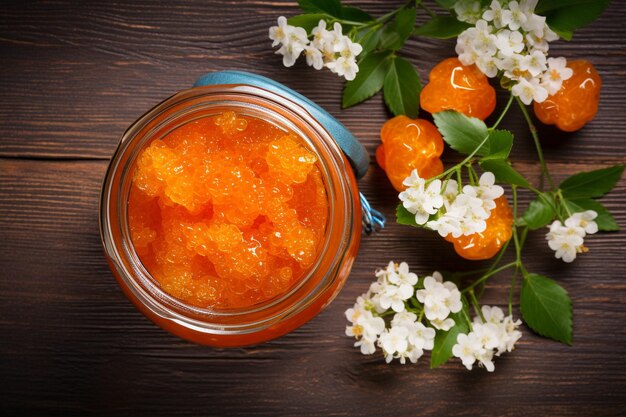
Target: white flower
x,y
486,191
465,213
485,359
444,325
467,10
496,335
467,347
534,24
280,33
487,65
394,342
422,337
565,241
392,296
403,276
494,13
509,335
313,57
404,318
419,336
450,191
344,67
493,315
452,301
293,40
348,49
419,199
320,35
516,18
583,220
511,66
434,297
531,90
475,214
336,37
505,328
556,73
365,327
487,333
509,43
484,42
448,224
534,63
290,53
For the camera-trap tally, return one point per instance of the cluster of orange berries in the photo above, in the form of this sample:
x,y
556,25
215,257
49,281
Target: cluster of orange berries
x,y
227,211
416,144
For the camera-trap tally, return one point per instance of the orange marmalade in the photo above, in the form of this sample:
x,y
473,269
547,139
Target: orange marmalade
x,y
227,211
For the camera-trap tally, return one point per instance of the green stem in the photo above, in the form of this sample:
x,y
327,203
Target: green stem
x,y
463,162
511,291
464,311
559,195
506,109
480,145
427,10
476,305
533,132
499,256
489,274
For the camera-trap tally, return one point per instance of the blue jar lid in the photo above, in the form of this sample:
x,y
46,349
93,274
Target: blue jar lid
x,y
354,151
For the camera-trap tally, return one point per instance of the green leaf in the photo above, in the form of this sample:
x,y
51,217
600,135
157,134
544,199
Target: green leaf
x,y
544,6
369,80
403,216
591,184
605,220
462,133
442,27
546,308
446,4
499,144
396,33
444,341
369,41
504,172
306,21
402,88
355,14
540,212
331,7
576,14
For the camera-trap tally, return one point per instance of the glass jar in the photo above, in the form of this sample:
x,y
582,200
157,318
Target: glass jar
x,y
261,322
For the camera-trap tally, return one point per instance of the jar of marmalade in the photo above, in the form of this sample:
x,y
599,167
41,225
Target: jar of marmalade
x,y
230,213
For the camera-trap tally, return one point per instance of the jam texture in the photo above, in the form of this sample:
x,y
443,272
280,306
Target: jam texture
x,y
227,211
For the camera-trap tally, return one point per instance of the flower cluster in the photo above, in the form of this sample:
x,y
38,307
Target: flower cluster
x,y
567,239
510,39
492,334
449,208
328,48
407,335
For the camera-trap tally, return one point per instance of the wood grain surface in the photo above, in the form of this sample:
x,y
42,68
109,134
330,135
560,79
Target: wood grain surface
x,y
75,75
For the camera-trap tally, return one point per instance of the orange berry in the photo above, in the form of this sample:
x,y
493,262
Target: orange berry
x,y
485,245
576,103
453,86
407,145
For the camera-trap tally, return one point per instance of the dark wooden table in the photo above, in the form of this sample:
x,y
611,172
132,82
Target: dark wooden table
x,y
74,75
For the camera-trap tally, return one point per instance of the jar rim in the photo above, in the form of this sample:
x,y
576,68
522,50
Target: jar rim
x,y
135,276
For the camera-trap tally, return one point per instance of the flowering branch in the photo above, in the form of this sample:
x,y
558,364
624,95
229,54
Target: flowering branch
x,y
402,314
